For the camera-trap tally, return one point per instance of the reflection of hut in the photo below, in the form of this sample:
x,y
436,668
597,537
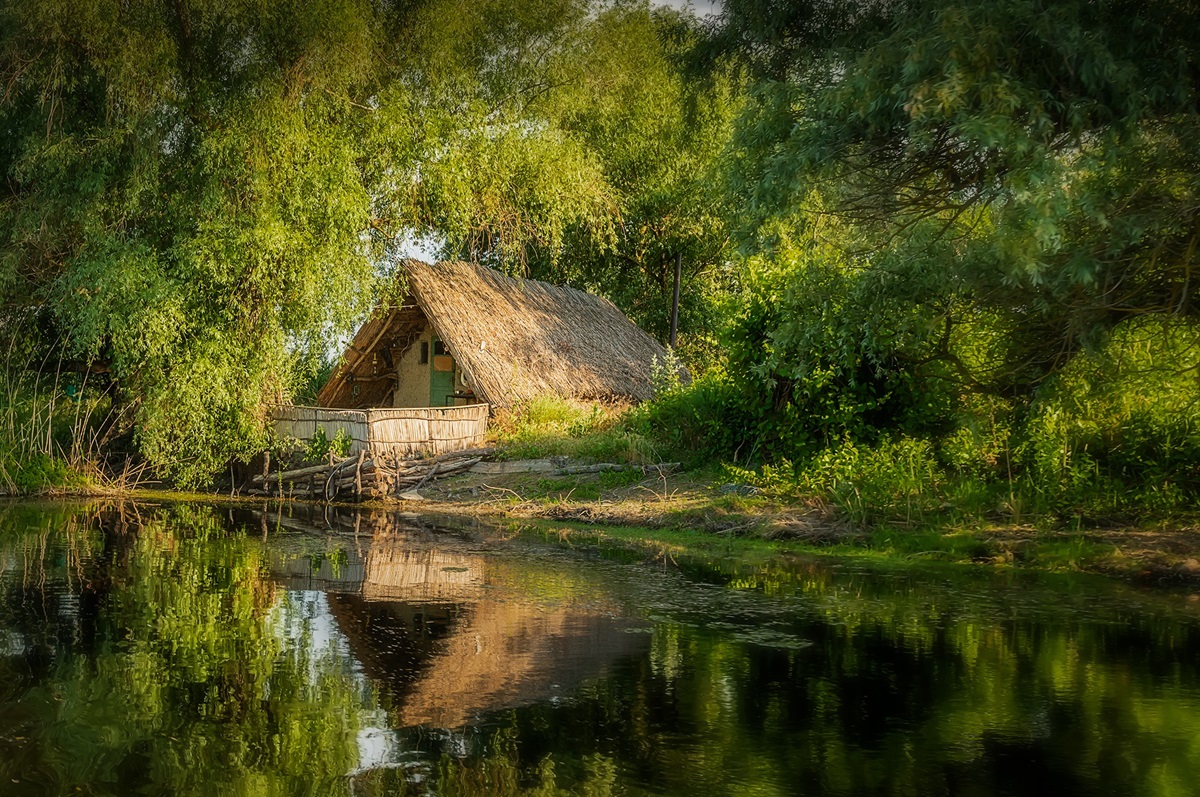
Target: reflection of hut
x,y
395,642
386,558
465,333
506,654
435,622
397,571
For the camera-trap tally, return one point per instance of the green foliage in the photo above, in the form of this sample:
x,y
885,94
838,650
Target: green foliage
x,y
666,376
184,215
933,226
199,225
707,418
965,228
1120,428
320,446
656,135
895,478
991,153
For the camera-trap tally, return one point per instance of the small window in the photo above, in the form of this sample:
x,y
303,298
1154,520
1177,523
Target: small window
x,y
439,348
424,352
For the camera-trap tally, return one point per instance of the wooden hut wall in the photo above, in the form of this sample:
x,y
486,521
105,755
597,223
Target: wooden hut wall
x,y
367,377
412,375
405,432
302,423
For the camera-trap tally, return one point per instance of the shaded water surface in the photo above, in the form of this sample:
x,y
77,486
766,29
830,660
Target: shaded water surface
x,y
200,650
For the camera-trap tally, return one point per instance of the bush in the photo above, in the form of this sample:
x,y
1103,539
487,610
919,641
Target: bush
x,y
897,477
1119,428
699,422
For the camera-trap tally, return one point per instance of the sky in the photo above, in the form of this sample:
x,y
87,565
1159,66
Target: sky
x,y
701,7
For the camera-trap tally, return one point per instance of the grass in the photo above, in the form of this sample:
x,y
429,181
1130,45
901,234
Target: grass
x,y
549,426
693,507
566,489
50,439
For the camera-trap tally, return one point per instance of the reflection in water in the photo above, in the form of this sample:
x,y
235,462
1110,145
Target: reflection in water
x,y
450,633
193,650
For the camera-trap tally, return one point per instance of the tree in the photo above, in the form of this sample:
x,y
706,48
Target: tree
x,y
1044,153
198,196
658,135
956,198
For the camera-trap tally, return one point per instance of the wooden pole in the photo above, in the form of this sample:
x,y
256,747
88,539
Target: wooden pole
x,y
358,474
675,299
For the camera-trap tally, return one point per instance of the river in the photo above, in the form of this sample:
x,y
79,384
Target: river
x,y
189,649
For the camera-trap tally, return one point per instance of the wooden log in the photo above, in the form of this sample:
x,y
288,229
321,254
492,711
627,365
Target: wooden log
x,y
368,466
417,479
598,468
432,470
298,472
445,469
466,452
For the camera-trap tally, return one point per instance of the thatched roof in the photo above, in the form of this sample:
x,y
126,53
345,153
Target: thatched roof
x,y
513,338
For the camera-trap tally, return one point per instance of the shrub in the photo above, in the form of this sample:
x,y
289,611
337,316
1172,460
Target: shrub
x,y
699,422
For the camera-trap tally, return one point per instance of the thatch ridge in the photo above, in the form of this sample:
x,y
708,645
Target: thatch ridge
x,y
520,338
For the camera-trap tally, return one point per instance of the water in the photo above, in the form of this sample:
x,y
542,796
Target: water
x,y
185,649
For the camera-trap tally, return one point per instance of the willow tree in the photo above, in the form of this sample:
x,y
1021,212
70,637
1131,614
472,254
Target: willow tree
x,y
658,133
197,194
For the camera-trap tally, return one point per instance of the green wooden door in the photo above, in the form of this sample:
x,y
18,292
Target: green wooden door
x,y
441,375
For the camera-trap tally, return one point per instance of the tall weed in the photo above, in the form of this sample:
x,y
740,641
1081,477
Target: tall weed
x,y
49,434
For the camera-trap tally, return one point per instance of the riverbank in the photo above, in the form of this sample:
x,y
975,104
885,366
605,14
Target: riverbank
x,y
698,511
1160,550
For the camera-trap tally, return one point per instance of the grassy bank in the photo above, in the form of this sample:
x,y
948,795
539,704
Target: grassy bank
x,y
890,501
697,511
900,498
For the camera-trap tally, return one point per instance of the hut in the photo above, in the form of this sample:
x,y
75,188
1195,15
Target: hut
x,y
420,377
467,334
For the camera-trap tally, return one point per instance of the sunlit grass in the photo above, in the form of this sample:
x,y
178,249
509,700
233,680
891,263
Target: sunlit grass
x,y
549,426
